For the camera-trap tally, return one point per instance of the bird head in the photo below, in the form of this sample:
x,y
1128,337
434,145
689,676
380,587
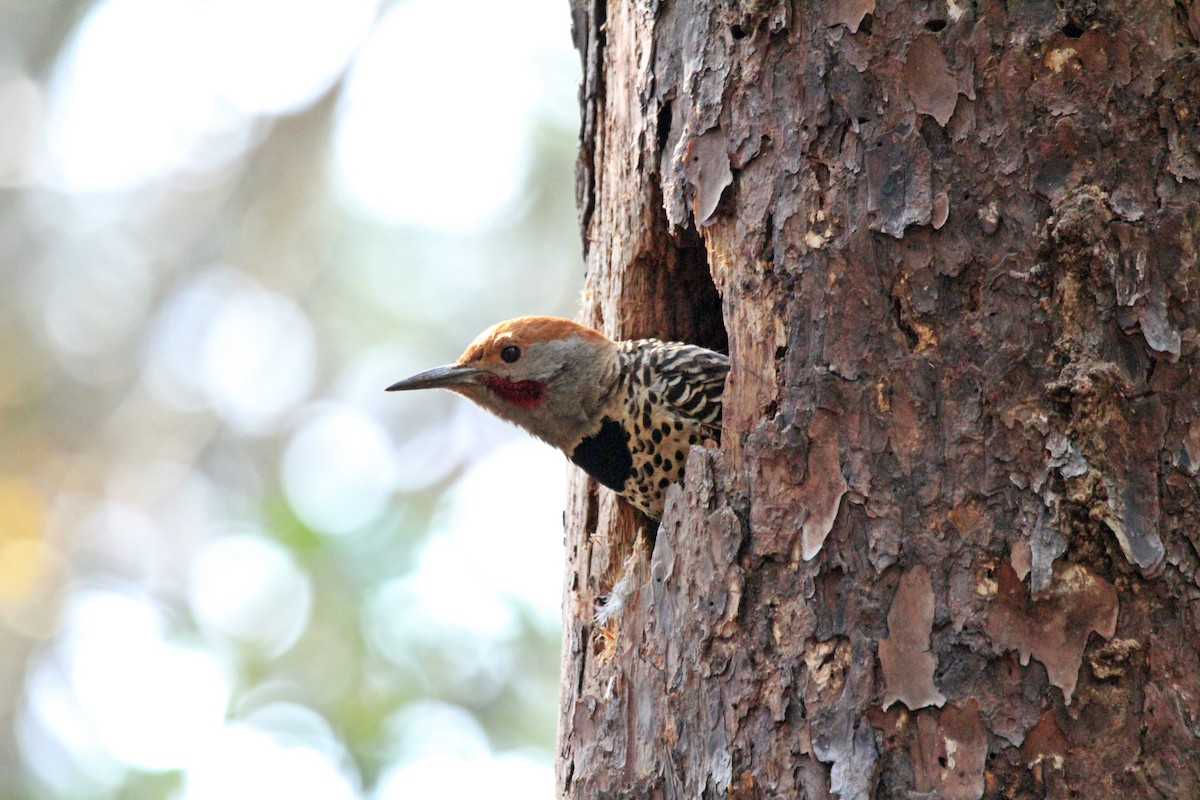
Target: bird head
x,y
546,374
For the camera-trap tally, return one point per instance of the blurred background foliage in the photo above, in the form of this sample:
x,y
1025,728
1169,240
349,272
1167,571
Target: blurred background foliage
x,y
231,566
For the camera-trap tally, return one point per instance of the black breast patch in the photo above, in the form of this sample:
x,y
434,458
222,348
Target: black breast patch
x,y
605,456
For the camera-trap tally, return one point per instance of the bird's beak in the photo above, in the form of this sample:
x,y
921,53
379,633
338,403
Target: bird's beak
x,y
447,377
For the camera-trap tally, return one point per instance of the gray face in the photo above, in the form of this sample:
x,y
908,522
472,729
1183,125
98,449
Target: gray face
x,y
576,376
555,389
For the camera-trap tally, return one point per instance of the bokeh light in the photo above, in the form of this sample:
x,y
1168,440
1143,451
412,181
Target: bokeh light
x,y
447,753
448,150
132,99
225,343
148,699
489,530
245,762
248,588
338,471
231,565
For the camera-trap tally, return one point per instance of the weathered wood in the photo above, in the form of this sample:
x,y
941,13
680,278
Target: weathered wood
x,y
949,546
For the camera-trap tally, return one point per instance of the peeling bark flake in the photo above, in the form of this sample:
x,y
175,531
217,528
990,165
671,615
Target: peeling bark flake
x,y
850,13
941,210
850,778
1053,628
708,172
824,486
1191,447
1132,510
964,735
904,656
948,753
899,191
934,91
1045,744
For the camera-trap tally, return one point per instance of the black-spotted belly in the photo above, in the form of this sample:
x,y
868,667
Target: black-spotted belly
x,y
642,463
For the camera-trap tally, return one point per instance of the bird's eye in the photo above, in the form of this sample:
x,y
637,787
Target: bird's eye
x,y
510,353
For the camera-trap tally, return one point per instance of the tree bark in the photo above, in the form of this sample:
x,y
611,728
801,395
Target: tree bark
x,y
950,543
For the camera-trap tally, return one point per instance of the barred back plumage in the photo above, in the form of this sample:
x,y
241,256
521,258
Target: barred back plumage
x,y
672,400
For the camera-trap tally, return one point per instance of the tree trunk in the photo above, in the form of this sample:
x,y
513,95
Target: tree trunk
x,y
949,544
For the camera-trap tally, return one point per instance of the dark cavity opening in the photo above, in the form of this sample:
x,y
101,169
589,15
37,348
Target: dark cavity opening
x,y
695,305
664,126
673,296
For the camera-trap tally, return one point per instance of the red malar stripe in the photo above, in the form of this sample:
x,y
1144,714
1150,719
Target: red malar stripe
x,y
525,394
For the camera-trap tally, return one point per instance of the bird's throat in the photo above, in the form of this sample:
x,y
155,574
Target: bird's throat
x,y
523,394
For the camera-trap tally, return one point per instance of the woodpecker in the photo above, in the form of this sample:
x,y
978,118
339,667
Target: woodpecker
x,y
625,412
